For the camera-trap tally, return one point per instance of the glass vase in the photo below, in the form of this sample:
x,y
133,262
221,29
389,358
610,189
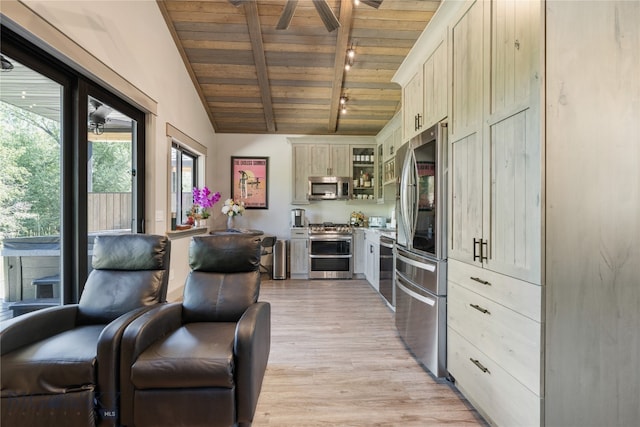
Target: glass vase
x,y
230,223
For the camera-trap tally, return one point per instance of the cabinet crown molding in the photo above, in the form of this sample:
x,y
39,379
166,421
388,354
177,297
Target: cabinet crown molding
x,y
431,37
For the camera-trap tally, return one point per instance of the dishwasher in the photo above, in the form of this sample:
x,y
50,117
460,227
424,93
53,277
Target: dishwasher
x,y
386,270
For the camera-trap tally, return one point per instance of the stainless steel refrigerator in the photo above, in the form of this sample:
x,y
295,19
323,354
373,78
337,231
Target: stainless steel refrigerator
x,y
421,264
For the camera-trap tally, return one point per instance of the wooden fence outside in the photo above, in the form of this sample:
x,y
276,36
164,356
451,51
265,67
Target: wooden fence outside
x,y
109,211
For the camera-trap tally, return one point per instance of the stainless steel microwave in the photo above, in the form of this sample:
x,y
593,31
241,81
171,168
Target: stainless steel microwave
x,y
329,188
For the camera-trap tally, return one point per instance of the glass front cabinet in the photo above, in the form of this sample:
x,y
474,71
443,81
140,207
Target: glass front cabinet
x,y
364,173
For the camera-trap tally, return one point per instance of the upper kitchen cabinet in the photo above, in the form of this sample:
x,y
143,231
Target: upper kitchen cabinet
x,y
331,156
495,161
300,172
435,85
316,160
363,172
424,97
389,138
329,160
413,105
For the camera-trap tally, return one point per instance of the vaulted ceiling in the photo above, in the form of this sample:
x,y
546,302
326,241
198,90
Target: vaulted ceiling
x,y
254,78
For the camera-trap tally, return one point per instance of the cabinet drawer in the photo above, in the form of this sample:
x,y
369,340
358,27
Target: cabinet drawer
x,y
510,339
299,234
497,395
522,297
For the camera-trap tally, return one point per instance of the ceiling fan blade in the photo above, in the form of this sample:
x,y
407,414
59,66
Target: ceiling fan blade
x,y
287,14
326,14
373,3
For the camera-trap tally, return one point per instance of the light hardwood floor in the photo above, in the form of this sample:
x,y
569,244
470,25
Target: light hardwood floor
x,y
336,360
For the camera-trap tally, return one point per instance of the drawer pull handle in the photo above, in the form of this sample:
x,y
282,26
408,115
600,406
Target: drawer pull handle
x,y
479,280
480,309
479,365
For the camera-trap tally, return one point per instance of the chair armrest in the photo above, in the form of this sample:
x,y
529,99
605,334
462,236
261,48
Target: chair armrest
x,y
36,326
108,356
138,336
251,351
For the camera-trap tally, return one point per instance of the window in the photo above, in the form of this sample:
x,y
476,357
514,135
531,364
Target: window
x,y
184,173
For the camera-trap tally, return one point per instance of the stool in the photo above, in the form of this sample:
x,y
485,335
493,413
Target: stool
x,y
267,249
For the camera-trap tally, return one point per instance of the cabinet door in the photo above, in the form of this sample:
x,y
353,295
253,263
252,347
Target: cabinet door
x,y
514,53
514,213
299,263
300,178
413,109
340,160
465,203
467,72
364,167
466,149
372,242
440,94
319,160
358,251
435,86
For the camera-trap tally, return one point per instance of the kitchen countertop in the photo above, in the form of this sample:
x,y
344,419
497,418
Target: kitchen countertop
x,y
387,232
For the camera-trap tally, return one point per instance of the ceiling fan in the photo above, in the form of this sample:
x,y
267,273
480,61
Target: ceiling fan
x,y
324,10
98,116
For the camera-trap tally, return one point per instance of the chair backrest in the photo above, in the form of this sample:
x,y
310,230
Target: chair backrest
x,y
129,271
268,242
224,278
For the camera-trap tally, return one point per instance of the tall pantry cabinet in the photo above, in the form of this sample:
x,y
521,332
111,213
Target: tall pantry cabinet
x,y
494,324
543,295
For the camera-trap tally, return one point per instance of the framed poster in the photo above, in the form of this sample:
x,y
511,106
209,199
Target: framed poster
x,y
250,181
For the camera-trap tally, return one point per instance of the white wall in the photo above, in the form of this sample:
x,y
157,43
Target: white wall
x,y
276,219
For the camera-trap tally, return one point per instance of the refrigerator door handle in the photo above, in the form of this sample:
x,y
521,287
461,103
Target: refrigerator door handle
x,y
422,265
415,295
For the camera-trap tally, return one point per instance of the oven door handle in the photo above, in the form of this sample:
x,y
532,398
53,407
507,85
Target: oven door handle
x,y
331,238
329,256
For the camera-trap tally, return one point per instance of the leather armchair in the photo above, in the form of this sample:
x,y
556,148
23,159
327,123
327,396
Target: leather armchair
x,y
202,361
60,365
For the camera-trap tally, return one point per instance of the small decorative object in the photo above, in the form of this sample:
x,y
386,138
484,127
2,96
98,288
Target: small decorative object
x,y
357,219
202,200
232,208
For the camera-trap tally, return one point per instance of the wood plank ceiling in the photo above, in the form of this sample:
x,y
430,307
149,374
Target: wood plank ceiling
x,y
254,78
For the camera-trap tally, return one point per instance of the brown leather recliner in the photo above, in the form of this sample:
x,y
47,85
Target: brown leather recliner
x,y
201,362
60,366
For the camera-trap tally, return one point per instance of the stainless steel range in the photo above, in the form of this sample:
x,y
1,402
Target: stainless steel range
x,y
330,251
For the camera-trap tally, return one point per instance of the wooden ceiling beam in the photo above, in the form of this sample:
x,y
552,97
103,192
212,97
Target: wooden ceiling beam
x,y
255,36
346,18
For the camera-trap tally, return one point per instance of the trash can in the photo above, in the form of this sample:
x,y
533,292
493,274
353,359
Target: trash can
x,y
280,260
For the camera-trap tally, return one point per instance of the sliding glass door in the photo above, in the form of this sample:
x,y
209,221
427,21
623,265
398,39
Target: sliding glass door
x,y
73,167
30,187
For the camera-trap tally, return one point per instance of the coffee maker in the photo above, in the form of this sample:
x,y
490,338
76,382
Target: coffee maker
x,y
297,218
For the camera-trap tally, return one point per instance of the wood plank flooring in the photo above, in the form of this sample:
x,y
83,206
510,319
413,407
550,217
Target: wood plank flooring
x,y
336,360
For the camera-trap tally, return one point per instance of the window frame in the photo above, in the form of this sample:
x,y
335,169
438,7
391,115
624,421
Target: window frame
x,y
181,151
193,148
